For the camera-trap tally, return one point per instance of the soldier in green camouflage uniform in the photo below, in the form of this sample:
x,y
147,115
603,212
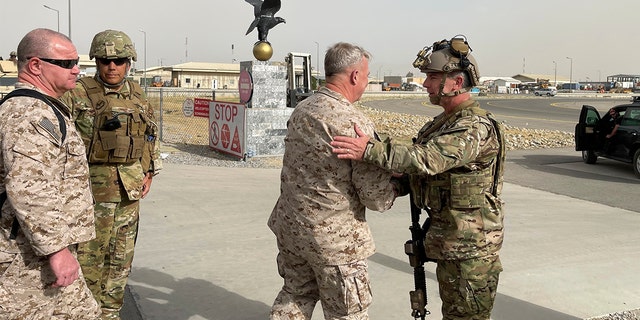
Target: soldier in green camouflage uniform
x,y
118,128
45,196
455,173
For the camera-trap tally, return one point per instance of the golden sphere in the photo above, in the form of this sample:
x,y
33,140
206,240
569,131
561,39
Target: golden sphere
x,y
262,51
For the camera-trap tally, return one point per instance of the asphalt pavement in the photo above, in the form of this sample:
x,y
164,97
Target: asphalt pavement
x,y
204,252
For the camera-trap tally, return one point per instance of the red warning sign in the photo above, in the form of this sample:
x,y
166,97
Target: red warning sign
x,y
235,143
225,135
201,107
225,118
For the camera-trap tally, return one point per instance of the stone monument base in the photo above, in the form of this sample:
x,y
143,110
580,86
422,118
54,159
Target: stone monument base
x,y
267,113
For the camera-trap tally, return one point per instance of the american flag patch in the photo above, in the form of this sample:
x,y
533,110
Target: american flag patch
x,y
48,126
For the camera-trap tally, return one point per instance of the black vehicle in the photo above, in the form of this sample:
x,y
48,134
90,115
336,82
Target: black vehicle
x,y
591,131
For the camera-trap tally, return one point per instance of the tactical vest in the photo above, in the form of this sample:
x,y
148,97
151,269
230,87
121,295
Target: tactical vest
x,y
119,125
471,198
464,184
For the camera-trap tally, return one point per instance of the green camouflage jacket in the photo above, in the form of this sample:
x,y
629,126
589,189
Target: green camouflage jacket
x,y
455,172
110,179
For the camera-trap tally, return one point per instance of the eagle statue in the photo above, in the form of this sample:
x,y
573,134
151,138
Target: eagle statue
x,y
264,12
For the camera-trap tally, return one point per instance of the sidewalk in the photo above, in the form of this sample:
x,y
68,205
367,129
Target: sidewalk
x,y
204,252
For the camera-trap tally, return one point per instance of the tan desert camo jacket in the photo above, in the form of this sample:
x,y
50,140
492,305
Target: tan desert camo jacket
x,y
46,178
320,213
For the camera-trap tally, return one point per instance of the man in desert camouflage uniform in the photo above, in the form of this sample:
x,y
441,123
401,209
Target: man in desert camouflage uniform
x,y
47,207
118,127
319,218
455,171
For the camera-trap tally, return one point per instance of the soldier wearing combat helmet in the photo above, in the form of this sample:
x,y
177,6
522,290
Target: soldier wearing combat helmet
x,y
118,127
454,170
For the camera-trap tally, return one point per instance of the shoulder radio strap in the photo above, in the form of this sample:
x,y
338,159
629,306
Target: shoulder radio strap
x,y
63,130
37,95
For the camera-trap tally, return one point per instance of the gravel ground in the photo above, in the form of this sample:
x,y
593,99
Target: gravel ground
x,y
394,124
625,315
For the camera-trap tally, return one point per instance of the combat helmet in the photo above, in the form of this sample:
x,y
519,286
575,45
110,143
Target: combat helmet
x,y
449,56
112,44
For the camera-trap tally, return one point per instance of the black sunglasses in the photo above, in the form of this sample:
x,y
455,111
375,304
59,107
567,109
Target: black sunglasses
x,y
67,64
118,62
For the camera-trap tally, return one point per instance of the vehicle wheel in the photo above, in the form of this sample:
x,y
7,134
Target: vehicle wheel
x,y
589,156
636,163
548,94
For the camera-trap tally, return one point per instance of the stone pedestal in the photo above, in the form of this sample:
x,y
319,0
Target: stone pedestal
x,y
267,113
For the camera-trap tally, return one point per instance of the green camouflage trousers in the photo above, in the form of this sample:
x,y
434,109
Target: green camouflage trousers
x,y
343,290
468,287
106,260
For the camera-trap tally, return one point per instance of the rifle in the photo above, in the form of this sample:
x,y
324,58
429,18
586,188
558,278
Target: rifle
x,y
414,248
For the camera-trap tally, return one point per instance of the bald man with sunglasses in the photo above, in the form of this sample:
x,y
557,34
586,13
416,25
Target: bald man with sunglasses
x,y
47,207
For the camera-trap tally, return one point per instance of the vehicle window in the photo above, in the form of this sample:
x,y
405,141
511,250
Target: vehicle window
x,y
592,117
631,118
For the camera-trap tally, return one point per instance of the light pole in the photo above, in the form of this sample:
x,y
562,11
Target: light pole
x,y
571,75
57,11
69,19
317,63
555,74
145,61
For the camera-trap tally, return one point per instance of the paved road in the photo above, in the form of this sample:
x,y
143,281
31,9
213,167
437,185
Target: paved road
x,y
555,113
562,171
555,170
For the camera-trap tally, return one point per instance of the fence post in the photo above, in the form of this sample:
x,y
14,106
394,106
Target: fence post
x,y
161,113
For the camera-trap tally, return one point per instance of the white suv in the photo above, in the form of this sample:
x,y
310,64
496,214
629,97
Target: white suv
x,y
550,92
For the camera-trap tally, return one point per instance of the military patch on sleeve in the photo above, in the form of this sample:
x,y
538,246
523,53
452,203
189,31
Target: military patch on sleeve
x,y
50,128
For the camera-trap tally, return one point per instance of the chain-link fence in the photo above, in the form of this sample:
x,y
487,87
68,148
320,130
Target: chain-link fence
x,y
190,131
177,128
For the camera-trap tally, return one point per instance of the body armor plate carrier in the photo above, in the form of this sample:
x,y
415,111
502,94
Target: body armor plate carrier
x,y
119,125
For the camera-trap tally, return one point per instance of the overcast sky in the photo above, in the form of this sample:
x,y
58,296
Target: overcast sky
x,y
507,37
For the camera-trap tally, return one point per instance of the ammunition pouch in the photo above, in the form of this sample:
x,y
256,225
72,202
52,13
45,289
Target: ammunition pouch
x,y
121,143
461,190
119,127
468,189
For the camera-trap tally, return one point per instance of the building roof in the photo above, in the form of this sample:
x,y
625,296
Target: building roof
x,y
624,75
533,77
507,79
207,67
7,66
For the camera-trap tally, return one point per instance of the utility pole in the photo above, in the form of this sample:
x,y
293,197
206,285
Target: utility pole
x,y
69,19
555,74
58,12
145,61
571,75
318,61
